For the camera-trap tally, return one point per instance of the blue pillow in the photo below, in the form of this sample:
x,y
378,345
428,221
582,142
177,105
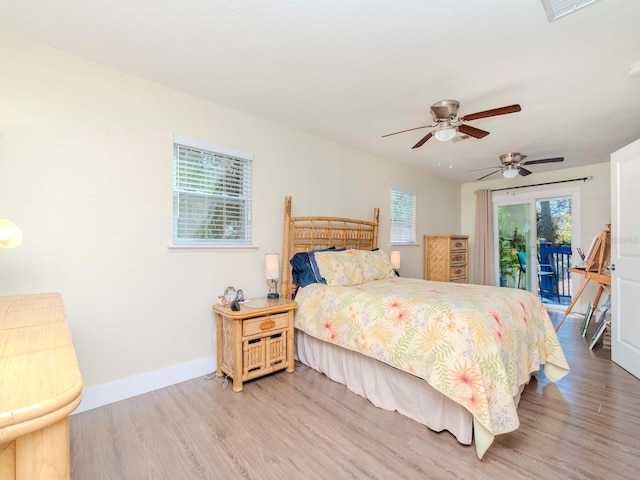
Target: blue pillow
x,y
305,269
302,272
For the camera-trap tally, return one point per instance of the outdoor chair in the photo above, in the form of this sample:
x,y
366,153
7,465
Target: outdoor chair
x,y
547,280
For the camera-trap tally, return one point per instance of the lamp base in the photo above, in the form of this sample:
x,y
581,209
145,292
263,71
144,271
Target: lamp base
x,y
273,296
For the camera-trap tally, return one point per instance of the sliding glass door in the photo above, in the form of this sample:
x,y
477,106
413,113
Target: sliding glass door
x,y
514,245
535,232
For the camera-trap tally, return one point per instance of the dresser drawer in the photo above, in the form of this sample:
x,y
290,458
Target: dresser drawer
x,y
458,244
458,258
459,271
264,324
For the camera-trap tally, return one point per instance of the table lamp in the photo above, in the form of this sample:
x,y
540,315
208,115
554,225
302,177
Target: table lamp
x,y
10,234
272,273
395,261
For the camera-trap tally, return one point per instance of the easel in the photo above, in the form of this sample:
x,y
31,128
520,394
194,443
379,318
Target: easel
x,y
595,270
598,257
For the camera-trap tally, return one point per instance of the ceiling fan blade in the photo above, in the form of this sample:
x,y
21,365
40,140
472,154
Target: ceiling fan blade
x,y
487,175
545,160
472,131
423,140
491,113
403,131
485,168
524,172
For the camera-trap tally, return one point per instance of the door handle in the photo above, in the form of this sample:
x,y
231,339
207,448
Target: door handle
x,y
612,267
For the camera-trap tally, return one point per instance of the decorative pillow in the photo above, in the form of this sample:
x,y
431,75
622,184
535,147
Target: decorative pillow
x,y
305,270
375,265
301,269
340,268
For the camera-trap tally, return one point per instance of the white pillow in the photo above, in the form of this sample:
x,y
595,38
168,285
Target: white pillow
x,y
375,265
340,268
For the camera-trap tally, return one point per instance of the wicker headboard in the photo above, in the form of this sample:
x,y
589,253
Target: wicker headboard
x,y
303,234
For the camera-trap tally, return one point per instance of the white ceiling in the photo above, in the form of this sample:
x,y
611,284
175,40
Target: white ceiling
x,y
351,71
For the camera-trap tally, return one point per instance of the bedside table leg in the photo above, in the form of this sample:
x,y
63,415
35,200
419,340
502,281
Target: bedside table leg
x,y
237,355
291,364
218,345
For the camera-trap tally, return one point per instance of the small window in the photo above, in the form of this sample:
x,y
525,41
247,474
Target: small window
x,y
403,216
211,194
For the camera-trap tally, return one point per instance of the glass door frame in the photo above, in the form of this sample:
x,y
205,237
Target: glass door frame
x,y
514,197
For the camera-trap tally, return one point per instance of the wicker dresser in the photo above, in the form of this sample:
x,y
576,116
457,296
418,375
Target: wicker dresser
x,y
446,258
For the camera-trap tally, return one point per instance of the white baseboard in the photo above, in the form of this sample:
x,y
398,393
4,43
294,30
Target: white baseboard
x,y
107,393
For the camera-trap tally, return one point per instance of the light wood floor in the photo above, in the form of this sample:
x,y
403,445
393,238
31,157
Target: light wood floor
x,y
302,425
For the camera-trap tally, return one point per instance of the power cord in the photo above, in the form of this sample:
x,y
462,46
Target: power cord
x,y
212,375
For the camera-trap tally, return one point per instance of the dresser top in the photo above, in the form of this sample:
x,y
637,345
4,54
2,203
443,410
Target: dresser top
x,y
41,380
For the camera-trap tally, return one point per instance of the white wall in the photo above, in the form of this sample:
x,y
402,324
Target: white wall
x,y
86,172
595,204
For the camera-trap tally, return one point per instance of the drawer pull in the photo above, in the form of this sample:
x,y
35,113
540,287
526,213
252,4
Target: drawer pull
x,y
267,324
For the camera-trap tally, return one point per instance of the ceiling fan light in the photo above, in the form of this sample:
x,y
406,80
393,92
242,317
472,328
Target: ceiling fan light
x,y
510,172
445,134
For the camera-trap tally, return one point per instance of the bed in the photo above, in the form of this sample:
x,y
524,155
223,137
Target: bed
x,y
451,356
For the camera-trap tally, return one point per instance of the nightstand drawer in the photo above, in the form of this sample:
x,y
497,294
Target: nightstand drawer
x,y
264,324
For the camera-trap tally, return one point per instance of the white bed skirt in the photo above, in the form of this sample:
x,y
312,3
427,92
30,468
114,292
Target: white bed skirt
x,y
386,387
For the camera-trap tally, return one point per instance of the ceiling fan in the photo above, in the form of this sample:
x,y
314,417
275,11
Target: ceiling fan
x,y
447,123
513,165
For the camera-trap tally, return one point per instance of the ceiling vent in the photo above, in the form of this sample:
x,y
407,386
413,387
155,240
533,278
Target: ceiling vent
x,y
559,8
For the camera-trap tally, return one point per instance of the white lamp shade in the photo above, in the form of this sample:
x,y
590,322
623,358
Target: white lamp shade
x,y
510,172
445,134
10,234
395,259
272,266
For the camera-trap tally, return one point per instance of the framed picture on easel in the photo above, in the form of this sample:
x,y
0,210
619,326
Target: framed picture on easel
x,y
589,253
599,253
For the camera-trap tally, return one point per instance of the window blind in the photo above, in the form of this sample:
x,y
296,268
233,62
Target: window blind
x,y
211,197
403,216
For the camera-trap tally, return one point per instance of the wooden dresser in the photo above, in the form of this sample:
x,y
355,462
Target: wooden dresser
x,y
446,258
40,385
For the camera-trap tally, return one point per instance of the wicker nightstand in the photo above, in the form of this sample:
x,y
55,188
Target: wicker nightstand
x,y
256,340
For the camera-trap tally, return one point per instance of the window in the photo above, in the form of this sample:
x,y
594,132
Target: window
x,y
211,194
403,216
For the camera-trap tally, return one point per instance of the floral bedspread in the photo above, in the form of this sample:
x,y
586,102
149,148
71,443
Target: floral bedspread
x,y
475,344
